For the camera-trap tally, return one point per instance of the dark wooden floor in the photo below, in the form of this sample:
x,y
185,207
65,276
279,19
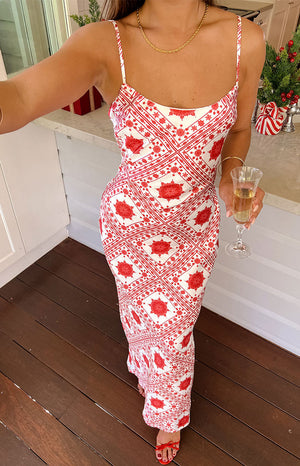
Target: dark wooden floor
x,y
67,398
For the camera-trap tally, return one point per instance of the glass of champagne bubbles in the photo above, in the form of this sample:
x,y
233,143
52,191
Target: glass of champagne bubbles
x,y
245,181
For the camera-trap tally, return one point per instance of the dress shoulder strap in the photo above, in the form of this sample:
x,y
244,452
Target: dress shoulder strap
x,y
238,46
120,50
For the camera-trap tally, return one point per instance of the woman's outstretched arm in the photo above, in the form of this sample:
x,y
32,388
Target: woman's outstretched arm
x,y
56,81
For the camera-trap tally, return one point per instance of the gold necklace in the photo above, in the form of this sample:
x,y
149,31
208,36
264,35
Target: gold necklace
x,y
178,48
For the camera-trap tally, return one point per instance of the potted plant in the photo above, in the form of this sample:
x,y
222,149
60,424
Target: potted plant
x,y
92,99
280,85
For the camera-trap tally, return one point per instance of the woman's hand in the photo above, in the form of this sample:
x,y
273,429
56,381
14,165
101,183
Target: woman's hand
x,y
226,194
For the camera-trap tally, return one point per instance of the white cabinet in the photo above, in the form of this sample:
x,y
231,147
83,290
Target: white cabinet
x,y
11,245
33,206
283,22
264,21
291,20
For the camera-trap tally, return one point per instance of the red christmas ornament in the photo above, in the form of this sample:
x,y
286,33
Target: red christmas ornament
x,y
294,54
282,94
277,58
288,96
292,60
283,99
290,43
291,91
281,49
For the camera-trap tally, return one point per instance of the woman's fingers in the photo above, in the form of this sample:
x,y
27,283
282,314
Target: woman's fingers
x,y
256,206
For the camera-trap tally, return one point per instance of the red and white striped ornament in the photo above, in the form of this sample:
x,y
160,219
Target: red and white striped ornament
x,y
269,121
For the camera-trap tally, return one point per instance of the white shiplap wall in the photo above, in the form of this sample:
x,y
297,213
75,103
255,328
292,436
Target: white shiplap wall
x,y
261,293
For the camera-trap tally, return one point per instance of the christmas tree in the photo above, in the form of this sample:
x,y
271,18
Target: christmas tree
x,y
281,74
94,10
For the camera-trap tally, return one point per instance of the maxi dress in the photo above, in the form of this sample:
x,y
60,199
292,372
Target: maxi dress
x,y
159,225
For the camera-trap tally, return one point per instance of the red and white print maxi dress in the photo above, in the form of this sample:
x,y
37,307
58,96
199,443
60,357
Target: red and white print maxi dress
x,y
159,224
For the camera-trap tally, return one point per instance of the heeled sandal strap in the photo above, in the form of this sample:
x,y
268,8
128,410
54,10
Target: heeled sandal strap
x,y
170,445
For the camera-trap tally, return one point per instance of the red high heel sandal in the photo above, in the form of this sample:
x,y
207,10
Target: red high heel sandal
x,y
164,445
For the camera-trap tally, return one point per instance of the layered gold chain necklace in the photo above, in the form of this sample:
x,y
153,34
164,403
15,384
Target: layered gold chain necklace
x,y
178,48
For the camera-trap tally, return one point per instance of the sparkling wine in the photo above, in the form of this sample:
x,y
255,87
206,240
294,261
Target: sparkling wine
x,y
242,202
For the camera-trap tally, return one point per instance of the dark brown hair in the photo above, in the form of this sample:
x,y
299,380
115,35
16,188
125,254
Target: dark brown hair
x,y
117,9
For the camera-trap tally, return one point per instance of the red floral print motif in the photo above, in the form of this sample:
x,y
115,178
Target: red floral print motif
x,y
183,421
215,106
181,113
125,269
216,149
146,360
160,247
170,190
136,317
134,144
195,280
137,363
157,403
186,340
124,210
203,216
159,361
185,383
127,322
159,307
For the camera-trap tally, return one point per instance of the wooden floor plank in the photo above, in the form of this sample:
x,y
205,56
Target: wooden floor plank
x,y
46,436
254,347
243,443
95,285
101,387
255,378
200,451
42,383
13,452
84,256
85,307
90,377
64,319
239,369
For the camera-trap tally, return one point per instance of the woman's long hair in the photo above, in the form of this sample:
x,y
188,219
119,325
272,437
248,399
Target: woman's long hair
x,y
117,9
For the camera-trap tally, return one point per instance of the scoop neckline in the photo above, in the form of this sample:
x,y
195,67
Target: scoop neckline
x,y
165,106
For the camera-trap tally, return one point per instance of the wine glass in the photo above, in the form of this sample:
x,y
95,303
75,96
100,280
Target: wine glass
x,y
245,181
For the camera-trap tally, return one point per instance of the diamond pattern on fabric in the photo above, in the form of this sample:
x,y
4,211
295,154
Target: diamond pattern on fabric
x,y
159,225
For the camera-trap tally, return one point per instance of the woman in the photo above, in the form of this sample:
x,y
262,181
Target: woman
x,y
181,80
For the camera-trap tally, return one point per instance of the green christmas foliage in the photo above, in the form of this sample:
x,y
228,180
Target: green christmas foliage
x,y
94,10
281,73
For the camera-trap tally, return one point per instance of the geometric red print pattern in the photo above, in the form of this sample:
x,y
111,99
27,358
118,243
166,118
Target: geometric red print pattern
x,y
159,225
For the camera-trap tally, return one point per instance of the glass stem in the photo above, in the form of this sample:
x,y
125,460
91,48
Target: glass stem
x,y
240,228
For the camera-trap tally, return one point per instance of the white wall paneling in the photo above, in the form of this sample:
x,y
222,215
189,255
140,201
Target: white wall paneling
x,y
86,171
262,292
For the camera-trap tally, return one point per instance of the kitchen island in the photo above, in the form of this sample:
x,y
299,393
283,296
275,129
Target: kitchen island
x,y
260,293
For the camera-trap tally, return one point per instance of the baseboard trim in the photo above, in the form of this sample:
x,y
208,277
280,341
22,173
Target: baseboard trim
x,y
32,256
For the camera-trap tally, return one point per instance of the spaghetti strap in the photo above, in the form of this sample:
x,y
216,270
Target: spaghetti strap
x,y
120,50
238,47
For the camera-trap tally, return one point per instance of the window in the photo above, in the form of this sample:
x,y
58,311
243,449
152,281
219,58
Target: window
x,y
31,30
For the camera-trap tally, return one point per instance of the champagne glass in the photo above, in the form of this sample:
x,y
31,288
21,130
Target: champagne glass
x,y
245,181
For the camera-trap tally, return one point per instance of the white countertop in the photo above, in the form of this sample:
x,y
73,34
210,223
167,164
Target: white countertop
x,y
277,156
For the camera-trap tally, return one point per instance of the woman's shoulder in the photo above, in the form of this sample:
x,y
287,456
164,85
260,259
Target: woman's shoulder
x,y
252,35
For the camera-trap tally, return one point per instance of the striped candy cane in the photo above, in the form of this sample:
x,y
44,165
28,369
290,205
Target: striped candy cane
x,y
270,120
